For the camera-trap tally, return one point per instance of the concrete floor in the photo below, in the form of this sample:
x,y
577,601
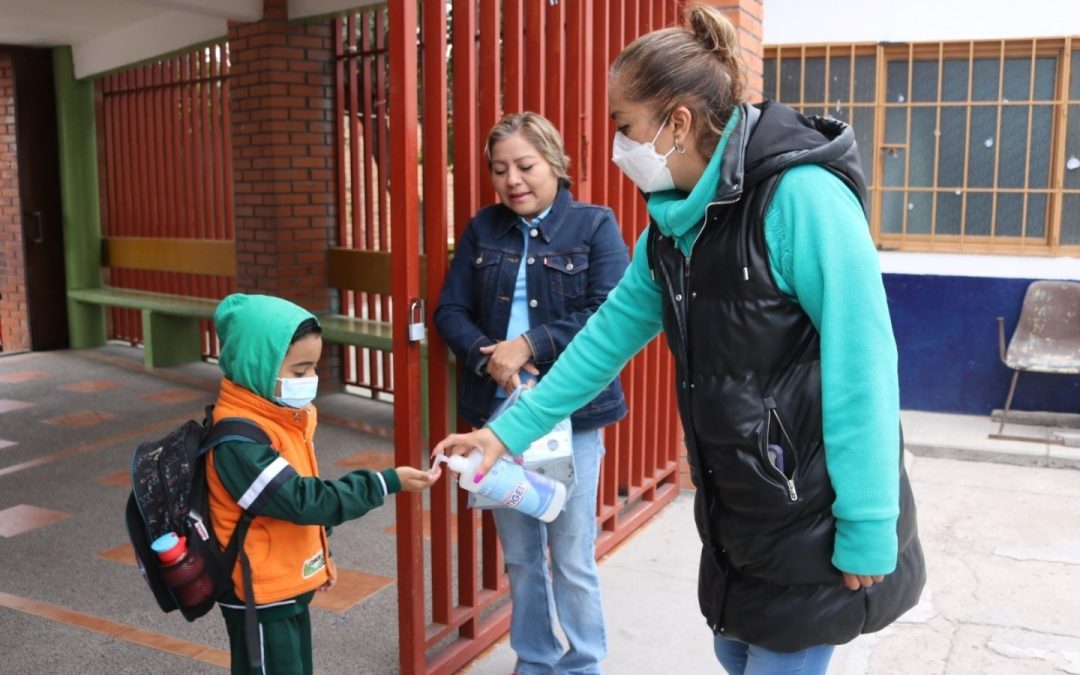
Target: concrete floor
x,y
999,520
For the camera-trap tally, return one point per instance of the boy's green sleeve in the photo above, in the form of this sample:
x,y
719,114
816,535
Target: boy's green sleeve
x,y
300,499
626,321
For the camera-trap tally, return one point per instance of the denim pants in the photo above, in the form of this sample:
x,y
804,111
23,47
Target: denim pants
x,y
572,591
740,658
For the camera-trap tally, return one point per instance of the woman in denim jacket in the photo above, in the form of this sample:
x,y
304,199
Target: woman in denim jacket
x,y
526,275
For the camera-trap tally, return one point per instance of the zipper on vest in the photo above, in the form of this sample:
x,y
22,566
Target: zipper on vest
x,y
773,413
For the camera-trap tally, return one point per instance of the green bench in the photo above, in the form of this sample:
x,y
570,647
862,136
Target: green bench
x,y
171,333
170,323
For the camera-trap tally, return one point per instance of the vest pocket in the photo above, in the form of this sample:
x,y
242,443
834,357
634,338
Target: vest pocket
x,y
778,454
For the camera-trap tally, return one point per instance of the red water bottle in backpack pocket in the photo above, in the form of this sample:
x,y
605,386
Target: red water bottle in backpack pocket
x,y
182,570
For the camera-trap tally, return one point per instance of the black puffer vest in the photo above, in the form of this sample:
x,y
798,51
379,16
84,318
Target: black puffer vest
x,y
749,375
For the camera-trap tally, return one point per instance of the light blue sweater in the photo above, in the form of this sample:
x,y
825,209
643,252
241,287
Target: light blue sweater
x,y
821,255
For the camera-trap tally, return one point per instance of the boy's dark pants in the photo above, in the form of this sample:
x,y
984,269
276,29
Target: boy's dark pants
x,y
285,634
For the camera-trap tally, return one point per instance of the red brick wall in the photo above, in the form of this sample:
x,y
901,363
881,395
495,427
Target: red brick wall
x,y
283,155
747,16
14,324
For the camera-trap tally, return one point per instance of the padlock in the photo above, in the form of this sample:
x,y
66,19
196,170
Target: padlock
x,y
417,329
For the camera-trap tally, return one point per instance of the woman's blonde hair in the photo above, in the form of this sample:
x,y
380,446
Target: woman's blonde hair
x,y
696,65
540,133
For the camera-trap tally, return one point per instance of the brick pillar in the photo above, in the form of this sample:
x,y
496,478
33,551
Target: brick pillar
x,y
747,15
284,172
14,319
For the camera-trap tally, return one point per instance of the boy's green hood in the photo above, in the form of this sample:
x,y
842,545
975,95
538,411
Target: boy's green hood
x,y
255,332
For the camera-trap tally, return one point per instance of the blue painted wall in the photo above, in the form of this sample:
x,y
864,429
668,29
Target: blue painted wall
x,y
946,331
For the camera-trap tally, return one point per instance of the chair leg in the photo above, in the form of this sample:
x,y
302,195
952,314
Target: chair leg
x,y
1008,400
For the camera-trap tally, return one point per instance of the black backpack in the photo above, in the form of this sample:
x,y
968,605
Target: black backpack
x,y
169,493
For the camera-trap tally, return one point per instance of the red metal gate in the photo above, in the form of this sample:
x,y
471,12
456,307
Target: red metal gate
x,y
363,158
477,59
166,169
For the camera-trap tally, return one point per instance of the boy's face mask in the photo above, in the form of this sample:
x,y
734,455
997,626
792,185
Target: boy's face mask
x,y
297,392
641,163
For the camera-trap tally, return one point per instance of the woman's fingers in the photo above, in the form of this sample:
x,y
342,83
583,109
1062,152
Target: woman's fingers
x,y
493,449
512,383
856,581
454,444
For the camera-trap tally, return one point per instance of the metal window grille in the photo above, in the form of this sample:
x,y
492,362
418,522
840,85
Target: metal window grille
x,y
967,146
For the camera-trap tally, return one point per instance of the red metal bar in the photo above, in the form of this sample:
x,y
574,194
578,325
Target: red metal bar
x,y
466,170
613,197
405,281
345,298
354,132
435,247
578,84
513,58
382,128
230,204
217,178
127,318
489,85
354,235
535,62
466,141
370,183
153,114
201,281
554,63
599,125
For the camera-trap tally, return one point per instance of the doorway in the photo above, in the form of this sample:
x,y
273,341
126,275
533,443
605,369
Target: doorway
x,y
39,195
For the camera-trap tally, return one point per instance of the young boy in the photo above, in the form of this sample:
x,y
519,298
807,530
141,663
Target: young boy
x,y
269,350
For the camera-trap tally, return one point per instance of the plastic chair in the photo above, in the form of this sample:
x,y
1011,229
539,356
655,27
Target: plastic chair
x,y
1047,337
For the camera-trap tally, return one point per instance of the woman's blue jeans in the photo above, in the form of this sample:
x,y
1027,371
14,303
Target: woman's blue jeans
x,y
571,592
740,658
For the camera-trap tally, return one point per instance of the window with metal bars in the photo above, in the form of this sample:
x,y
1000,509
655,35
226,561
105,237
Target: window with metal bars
x,y
967,146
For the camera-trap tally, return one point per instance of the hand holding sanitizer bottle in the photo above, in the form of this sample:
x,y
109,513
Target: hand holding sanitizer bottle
x,y
510,484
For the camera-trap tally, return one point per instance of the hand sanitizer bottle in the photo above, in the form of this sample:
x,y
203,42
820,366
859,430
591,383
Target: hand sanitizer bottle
x,y
511,485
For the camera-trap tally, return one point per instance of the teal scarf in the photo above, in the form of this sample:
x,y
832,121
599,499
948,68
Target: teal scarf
x,y
679,214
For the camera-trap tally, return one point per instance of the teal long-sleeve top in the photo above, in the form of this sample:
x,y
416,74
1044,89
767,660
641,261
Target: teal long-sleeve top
x,y
822,257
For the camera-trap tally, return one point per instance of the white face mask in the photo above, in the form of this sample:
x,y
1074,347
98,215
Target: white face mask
x,y
641,163
297,392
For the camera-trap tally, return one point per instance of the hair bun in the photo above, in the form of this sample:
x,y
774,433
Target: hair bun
x,y
714,31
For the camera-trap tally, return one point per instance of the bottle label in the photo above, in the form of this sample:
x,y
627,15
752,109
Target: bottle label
x,y
510,485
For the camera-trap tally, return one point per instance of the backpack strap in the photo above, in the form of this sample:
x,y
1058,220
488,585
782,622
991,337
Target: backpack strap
x,y
251,615
252,502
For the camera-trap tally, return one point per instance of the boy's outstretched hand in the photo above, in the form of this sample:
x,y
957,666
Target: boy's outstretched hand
x,y
415,480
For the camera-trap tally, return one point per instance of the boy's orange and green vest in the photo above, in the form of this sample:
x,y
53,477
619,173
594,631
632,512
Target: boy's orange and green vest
x,y
287,541
286,559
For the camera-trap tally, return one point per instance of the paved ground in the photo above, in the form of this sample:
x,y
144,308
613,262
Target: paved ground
x,y
1002,544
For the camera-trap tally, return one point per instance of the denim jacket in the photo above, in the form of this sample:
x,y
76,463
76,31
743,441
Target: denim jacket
x,y
575,258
